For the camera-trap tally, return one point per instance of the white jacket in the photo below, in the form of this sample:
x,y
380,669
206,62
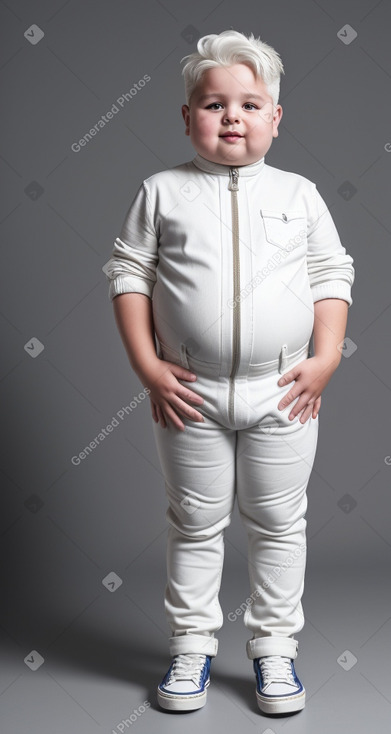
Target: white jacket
x,y
233,259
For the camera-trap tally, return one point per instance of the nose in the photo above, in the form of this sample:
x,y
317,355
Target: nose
x,y
231,115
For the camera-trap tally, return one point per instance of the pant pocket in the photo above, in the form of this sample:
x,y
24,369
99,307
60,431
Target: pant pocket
x,y
184,356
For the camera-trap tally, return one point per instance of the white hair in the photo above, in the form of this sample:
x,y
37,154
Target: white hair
x,y
228,48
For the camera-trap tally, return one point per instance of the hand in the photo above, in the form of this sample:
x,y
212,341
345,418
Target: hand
x,y
168,396
311,377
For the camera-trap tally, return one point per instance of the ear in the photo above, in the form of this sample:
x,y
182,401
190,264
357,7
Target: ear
x,y
277,114
186,117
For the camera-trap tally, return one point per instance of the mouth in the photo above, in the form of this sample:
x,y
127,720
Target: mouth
x,y
231,137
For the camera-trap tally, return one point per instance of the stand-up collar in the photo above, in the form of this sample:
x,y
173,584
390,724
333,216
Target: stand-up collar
x,y
252,169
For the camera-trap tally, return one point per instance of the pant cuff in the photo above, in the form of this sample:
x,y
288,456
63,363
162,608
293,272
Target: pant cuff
x,y
260,646
203,644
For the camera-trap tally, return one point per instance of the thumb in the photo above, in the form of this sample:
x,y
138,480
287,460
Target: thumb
x,y
288,377
182,373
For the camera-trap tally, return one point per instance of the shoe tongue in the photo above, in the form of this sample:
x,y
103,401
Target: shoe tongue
x,y
192,657
278,667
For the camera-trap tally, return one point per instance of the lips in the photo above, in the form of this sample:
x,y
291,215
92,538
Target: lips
x,y
231,135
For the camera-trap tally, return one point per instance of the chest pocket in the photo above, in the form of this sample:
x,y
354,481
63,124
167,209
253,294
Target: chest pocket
x,y
285,229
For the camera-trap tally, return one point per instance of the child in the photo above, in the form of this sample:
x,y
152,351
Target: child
x,y
232,266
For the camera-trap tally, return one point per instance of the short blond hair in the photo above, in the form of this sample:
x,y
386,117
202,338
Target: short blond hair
x,y
228,48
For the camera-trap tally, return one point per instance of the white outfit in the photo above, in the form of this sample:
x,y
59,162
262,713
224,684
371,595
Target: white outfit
x,y
233,259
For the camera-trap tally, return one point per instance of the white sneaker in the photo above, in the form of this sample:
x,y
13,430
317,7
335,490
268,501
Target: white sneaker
x,y
279,690
183,688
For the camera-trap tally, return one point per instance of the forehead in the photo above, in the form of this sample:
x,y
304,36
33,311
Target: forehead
x,y
238,79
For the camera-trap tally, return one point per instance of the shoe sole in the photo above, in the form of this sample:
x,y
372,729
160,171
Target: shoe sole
x,y
173,702
281,705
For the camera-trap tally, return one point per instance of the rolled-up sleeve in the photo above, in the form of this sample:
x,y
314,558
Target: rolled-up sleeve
x,y
330,268
132,267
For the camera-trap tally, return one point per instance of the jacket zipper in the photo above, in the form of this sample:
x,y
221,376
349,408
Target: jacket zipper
x,y
233,186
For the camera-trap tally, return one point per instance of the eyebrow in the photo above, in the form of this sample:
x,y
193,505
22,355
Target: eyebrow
x,y
218,94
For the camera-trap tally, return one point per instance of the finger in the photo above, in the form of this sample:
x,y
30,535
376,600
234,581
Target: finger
x,y
168,415
305,406
299,406
288,377
174,418
161,417
182,373
189,412
287,399
187,394
306,414
316,407
153,411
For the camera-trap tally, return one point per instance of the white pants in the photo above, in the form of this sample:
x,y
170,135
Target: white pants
x,y
266,461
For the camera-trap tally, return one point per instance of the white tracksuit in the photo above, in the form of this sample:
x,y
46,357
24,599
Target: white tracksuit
x,y
233,259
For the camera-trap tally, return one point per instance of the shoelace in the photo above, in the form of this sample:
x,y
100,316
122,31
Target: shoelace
x,y
276,668
187,667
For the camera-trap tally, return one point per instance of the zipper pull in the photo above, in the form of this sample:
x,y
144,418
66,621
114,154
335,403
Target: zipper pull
x,y
233,179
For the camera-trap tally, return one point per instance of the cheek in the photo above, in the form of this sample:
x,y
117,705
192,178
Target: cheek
x,y
203,127
262,126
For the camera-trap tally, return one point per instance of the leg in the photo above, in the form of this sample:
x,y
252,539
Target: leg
x,y
273,469
199,469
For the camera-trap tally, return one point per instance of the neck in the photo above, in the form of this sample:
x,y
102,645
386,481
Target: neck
x,y
222,169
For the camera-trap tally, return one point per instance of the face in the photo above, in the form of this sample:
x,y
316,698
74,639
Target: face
x,y
231,99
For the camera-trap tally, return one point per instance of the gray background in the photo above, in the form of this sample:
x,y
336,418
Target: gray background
x,y
65,528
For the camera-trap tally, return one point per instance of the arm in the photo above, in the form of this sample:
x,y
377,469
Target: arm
x,y
313,374
331,276
131,272
331,316
133,315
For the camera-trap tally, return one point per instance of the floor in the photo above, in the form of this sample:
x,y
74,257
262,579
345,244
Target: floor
x,y
99,672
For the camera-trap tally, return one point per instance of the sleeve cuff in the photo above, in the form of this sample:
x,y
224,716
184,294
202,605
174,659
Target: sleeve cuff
x,y
129,284
333,289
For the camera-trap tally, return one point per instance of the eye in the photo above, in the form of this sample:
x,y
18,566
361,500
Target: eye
x,y
219,104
